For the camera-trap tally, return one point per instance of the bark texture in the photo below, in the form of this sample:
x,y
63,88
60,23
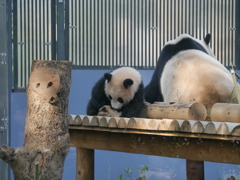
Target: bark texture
x,y
46,132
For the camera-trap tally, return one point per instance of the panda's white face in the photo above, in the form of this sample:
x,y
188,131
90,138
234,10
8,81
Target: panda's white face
x,y
121,86
117,94
116,102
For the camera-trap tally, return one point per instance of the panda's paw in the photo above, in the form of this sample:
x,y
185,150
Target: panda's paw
x,y
108,111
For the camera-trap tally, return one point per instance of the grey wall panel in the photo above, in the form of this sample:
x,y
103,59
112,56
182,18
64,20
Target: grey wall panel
x,y
122,32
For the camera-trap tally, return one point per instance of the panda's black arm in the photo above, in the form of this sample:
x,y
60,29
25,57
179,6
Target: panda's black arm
x,y
98,98
134,107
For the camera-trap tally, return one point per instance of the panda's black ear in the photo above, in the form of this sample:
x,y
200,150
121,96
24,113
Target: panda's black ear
x,y
207,38
108,76
127,83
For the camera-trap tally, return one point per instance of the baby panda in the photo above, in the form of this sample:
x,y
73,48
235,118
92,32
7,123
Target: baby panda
x,y
188,71
122,89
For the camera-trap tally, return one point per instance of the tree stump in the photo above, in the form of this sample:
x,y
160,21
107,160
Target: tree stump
x,y
46,131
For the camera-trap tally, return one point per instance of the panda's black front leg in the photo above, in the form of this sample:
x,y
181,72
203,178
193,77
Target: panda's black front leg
x,y
134,107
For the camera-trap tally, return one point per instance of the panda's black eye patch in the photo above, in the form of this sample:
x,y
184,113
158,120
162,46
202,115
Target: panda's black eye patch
x,y
110,97
120,100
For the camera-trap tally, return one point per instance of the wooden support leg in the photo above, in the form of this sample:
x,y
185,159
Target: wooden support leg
x,y
195,170
85,164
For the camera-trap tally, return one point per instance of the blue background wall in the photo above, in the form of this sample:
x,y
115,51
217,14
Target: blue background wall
x,y
108,165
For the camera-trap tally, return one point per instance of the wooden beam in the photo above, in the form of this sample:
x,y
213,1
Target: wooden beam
x,y
197,149
225,112
85,164
177,110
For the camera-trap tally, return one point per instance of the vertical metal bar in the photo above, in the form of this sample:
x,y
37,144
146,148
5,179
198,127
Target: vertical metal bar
x,y
138,30
100,17
219,27
15,45
103,22
117,37
91,32
34,30
21,32
66,33
84,33
75,31
81,27
53,29
231,32
237,34
110,34
60,30
128,31
27,47
96,26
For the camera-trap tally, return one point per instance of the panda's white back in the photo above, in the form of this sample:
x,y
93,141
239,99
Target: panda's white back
x,y
193,75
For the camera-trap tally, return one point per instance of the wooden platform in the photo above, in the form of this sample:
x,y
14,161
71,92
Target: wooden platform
x,y
196,141
216,130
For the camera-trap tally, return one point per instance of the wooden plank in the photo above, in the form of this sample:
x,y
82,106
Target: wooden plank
x,y
186,126
198,149
168,125
177,110
122,122
77,120
112,123
70,117
209,128
197,127
223,129
90,121
191,126
236,131
153,124
85,164
103,121
225,112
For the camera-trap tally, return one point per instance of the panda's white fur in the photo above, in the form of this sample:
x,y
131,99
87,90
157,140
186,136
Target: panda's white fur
x,y
187,70
193,75
115,87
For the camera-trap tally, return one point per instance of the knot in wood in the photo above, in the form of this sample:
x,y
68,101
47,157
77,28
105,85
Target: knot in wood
x,y
46,84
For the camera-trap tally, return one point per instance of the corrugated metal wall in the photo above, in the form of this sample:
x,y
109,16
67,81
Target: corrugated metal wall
x,y
109,33
133,32
33,38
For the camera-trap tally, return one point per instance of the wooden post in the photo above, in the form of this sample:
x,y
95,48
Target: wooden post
x,y
195,170
85,164
46,131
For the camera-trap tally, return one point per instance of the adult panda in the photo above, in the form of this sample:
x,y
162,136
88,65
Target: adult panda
x,y
122,89
187,70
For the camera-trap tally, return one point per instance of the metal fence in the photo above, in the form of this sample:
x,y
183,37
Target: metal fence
x,y
133,32
108,33
32,36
